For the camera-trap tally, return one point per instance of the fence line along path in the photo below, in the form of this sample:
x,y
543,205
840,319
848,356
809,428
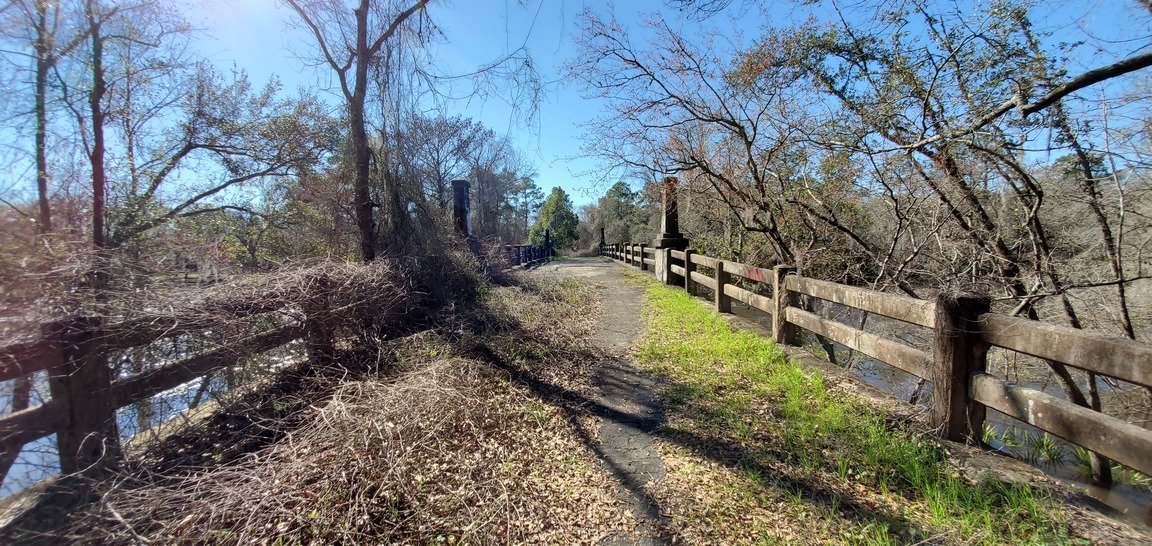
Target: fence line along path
x,y
963,329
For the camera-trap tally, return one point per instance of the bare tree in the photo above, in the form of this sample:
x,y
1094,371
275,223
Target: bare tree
x,y
866,140
38,24
441,148
350,44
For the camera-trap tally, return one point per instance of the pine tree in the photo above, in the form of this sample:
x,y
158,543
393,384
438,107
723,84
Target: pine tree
x,y
556,215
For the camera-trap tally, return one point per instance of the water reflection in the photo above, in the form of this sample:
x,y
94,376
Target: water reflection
x,y
39,460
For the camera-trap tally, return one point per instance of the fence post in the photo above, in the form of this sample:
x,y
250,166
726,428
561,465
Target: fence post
x,y
643,266
723,301
319,337
783,332
958,353
460,217
627,257
89,443
547,244
689,267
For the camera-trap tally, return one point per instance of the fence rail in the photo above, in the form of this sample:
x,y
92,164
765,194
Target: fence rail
x,y
963,330
527,255
84,397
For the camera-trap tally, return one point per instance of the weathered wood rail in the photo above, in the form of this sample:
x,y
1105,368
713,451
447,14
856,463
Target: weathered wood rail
x,y
963,329
84,396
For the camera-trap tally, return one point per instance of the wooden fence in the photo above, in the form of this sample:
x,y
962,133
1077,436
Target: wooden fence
x,y
527,255
963,329
84,396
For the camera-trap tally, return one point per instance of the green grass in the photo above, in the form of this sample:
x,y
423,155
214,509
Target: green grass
x,y
735,383
1120,473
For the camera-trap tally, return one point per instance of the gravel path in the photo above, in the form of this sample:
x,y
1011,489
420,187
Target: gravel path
x,y
627,430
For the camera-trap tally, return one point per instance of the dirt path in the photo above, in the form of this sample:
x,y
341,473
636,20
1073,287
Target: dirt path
x,y
626,433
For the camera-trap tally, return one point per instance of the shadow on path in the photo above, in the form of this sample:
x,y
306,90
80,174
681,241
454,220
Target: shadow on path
x,y
717,449
627,403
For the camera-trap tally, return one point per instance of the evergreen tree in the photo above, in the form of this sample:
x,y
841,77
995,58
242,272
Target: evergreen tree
x,y
556,215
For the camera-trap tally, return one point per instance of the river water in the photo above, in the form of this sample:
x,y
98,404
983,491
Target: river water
x,y
39,459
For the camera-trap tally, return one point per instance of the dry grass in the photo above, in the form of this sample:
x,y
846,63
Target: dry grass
x,y
438,440
445,450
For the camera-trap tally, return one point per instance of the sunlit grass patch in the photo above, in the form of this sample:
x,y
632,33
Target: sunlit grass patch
x,y
872,481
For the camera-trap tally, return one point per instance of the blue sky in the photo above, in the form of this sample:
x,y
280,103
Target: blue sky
x,y
254,35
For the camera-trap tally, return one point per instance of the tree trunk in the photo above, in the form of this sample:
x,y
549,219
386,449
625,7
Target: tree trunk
x,y
96,154
43,51
360,153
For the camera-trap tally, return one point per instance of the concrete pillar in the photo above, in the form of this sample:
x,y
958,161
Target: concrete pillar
x,y
664,265
670,236
460,217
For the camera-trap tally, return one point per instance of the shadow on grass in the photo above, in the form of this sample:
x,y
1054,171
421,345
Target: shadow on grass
x,y
719,449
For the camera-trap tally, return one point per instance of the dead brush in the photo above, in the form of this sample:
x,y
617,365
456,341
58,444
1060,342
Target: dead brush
x,y
542,324
443,448
373,293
